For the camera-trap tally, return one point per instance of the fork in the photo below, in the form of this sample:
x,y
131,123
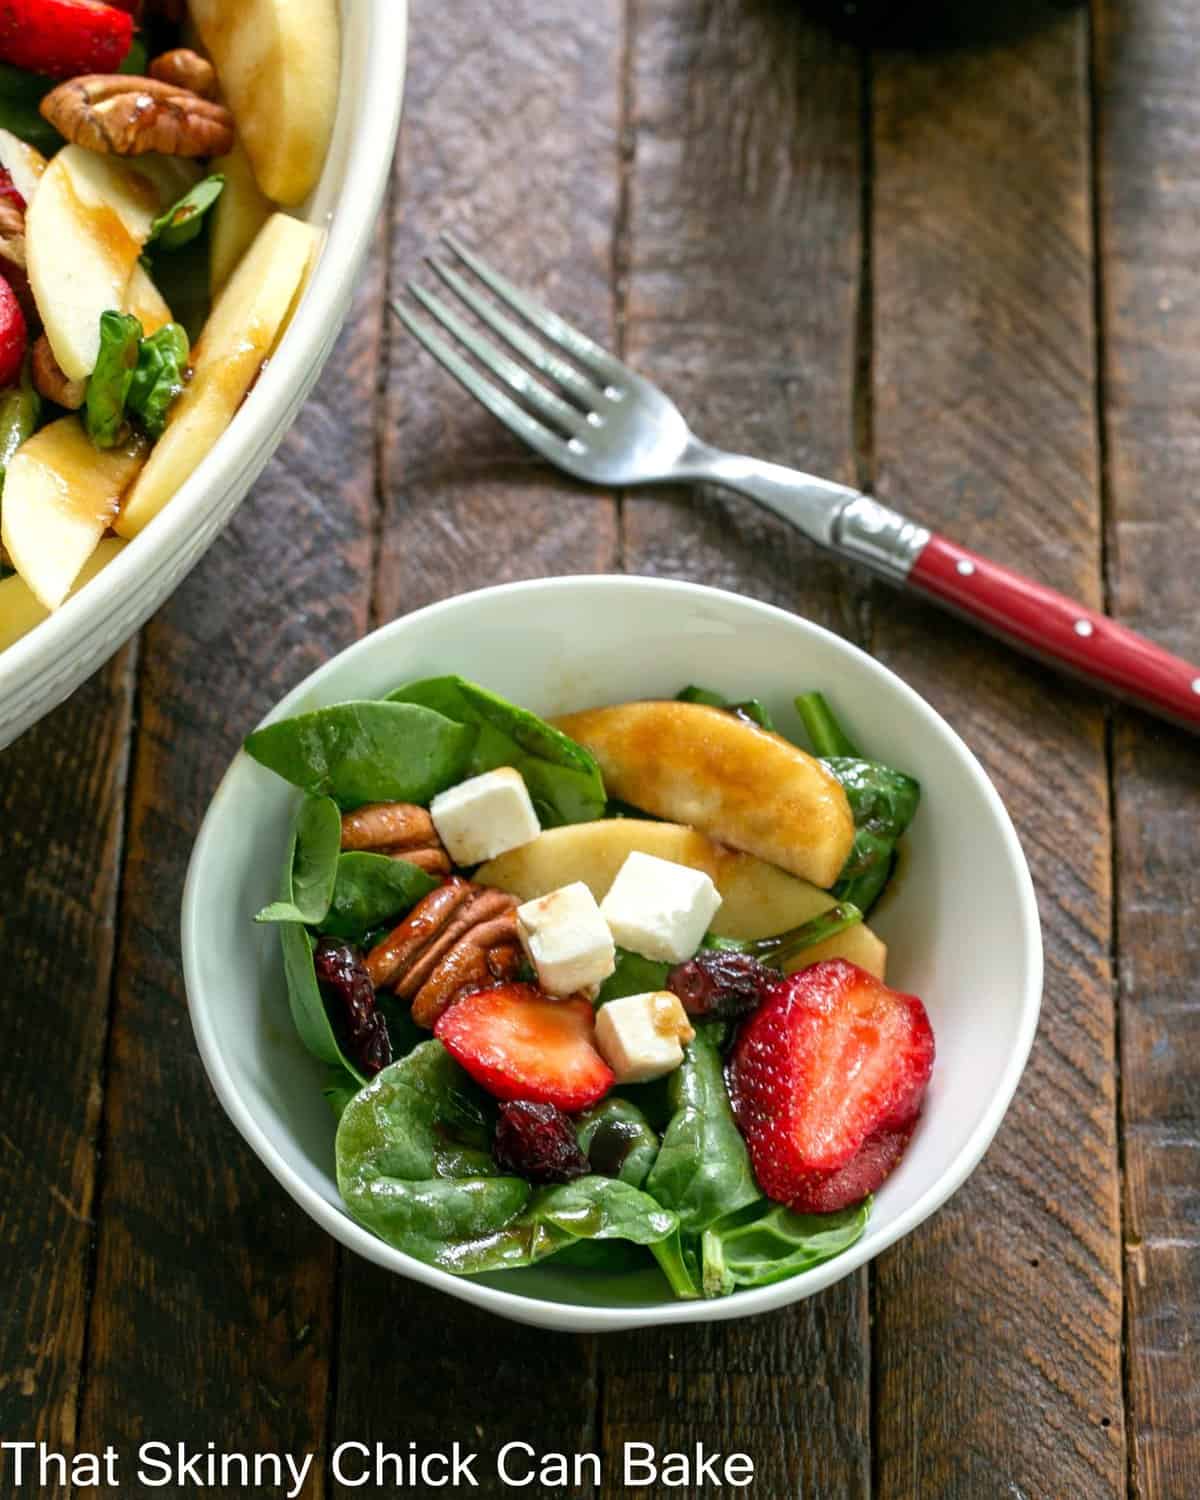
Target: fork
x,y
600,421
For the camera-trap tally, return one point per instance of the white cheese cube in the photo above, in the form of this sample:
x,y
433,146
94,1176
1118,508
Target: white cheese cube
x,y
660,909
641,1037
485,816
567,940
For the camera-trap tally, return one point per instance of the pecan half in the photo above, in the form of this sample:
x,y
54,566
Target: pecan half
x,y
128,116
185,69
459,938
12,256
399,829
50,381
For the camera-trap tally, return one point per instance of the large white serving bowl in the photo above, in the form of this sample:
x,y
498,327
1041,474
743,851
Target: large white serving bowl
x,y
961,919
44,667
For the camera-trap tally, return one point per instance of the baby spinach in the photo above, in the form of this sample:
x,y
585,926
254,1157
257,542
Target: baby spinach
x,y
184,220
318,837
617,1140
781,949
882,800
368,889
409,1164
633,975
774,1244
411,1168
563,778
20,94
703,1168
20,411
590,1209
366,752
108,385
159,377
753,709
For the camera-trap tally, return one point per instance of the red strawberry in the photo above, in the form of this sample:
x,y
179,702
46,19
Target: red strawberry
x,y
8,190
827,1080
63,38
13,336
518,1044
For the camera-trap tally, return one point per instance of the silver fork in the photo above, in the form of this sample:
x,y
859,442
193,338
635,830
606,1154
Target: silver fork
x,y
600,421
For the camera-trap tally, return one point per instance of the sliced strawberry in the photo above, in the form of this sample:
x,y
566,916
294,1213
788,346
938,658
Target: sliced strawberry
x,y
14,335
827,1080
63,38
518,1044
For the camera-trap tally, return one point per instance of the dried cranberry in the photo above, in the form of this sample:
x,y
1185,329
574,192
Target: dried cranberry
x,y
346,985
721,985
537,1142
8,189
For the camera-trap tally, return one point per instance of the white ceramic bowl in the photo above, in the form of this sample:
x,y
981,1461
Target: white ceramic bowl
x,y
41,669
961,921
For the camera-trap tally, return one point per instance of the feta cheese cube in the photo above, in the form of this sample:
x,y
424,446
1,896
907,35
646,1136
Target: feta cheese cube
x,y
485,816
658,908
641,1037
567,940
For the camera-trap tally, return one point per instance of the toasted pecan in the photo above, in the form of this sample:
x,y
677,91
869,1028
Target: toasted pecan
x,y
185,69
50,381
124,115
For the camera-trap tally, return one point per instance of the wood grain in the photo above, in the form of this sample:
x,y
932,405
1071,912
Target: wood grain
x,y
997,1324
1148,132
511,141
62,793
742,258
212,1315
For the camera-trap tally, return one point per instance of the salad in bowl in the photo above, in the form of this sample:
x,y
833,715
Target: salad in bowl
x,y
151,155
599,990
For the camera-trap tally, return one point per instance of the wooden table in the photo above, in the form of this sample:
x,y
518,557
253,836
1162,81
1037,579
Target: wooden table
x,y
969,279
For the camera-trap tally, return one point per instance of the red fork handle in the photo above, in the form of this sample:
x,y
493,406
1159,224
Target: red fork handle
x,y
1059,631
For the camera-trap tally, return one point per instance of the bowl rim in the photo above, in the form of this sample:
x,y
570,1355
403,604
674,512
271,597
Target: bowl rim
x,y
378,102
580,1317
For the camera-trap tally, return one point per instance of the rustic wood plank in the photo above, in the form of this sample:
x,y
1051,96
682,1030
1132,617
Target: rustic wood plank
x,y
998,1323
511,141
742,262
62,793
212,1315
1148,132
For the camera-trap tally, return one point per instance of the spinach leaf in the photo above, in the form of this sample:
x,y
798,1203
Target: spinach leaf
x,y
136,59
753,709
617,1140
182,278
370,889
305,1000
184,220
411,1169
775,1244
563,778
614,1257
703,1168
159,377
314,865
883,801
366,752
20,409
404,1170
108,386
680,1265
781,949
633,975
20,94
556,1218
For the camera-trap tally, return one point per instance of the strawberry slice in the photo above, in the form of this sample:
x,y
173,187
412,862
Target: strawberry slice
x,y
14,334
827,1078
518,1044
63,38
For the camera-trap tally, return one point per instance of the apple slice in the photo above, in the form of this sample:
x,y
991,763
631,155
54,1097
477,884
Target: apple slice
x,y
23,163
278,62
20,609
757,899
84,232
61,494
240,212
243,328
732,780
